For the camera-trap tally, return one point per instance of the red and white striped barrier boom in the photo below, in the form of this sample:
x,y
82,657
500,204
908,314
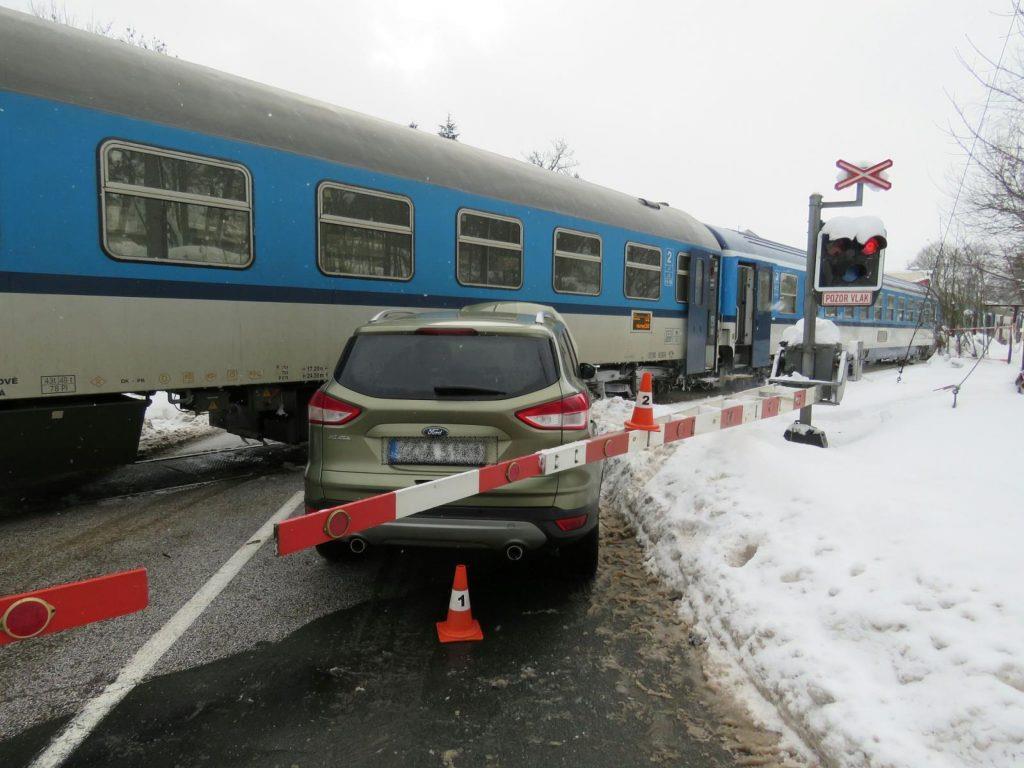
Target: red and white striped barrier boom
x,y
745,407
54,609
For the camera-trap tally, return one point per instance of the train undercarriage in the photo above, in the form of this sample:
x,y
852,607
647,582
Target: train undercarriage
x,y
48,439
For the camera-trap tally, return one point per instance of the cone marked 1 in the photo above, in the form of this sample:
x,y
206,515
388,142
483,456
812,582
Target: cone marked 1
x,y
460,624
643,411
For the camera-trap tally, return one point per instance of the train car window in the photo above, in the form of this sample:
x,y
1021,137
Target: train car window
x,y
577,263
490,250
643,272
764,290
890,305
879,303
682,277
364,233
830,312
787,294
902,315
174,208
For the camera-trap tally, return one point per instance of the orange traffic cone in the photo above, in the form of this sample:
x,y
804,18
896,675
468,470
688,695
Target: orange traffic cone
x,y
643,411
460,624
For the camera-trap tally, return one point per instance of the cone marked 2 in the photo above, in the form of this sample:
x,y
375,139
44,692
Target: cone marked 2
x,y
460,624
643,411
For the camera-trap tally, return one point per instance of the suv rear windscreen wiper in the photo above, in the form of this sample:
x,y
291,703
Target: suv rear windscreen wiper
x,y
456,389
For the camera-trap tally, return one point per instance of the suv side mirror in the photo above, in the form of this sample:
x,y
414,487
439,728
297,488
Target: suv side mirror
x,y
587,371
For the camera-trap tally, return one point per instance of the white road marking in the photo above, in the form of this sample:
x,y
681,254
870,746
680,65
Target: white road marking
x,y
68,740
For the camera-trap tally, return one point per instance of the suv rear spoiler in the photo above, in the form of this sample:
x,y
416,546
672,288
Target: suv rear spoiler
x,y
386,313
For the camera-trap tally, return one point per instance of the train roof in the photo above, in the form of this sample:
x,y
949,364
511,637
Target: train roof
x,y
53,61
748,242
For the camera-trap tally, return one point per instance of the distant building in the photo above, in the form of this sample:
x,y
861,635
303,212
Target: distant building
x,y
919,276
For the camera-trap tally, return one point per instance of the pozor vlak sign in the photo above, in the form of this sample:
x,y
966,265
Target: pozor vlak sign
x,y
849,262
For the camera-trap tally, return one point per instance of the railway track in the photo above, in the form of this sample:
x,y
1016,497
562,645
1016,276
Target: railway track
x,y
180,471
195,454
156,474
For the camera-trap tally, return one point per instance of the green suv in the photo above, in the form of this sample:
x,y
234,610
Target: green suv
x,y
420,395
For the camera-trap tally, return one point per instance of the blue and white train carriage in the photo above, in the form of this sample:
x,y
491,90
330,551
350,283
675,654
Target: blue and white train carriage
x,y
164,226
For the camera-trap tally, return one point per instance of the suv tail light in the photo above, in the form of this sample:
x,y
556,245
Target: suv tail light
x,y
324,409
431,331
566,524
572,412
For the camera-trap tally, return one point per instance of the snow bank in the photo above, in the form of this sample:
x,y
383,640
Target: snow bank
x,y
825,332
165,425
869,593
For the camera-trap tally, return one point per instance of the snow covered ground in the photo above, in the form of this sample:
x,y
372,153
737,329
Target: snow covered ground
x,y
165,425
867,598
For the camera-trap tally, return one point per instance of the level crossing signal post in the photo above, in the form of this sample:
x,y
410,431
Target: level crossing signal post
x,y
845,260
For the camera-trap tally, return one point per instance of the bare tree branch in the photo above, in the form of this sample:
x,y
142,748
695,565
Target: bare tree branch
x,y
58,13
560,158
988,266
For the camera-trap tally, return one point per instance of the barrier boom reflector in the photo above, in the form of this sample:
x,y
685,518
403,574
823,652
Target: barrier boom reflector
x,y
54,609
680,423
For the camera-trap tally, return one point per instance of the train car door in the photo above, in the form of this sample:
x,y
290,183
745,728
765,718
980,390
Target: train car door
x,y
711,349
760,356
697,315
744,315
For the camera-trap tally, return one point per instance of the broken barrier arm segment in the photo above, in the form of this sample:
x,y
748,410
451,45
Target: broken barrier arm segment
x,y
54,609
681,423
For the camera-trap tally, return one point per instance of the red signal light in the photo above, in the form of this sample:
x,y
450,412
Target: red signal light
x,y
872,246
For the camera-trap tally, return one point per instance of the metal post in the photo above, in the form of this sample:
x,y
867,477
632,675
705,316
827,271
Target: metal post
x,y
803,431
810,305
1013,327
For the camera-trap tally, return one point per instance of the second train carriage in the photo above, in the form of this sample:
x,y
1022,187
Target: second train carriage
x,y
181,229
901,321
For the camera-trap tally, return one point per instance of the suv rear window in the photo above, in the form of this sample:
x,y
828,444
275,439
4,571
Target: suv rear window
x,y
408,366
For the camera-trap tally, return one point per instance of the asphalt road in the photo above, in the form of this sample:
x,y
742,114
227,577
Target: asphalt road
x,y
301,663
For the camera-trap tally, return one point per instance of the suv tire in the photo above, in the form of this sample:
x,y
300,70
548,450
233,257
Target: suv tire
x,y
579,559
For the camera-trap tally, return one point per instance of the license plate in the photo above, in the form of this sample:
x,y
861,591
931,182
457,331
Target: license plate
x,y
445,451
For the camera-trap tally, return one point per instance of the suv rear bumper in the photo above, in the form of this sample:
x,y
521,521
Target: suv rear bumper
x,y
531,528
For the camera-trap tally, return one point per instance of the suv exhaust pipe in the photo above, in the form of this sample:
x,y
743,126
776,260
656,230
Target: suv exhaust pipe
x,y
357,545
514,553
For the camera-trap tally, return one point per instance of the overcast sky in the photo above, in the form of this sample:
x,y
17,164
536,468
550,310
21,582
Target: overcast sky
x,y
733,111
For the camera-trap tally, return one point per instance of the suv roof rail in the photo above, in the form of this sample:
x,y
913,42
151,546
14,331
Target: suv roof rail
x,y
386,313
